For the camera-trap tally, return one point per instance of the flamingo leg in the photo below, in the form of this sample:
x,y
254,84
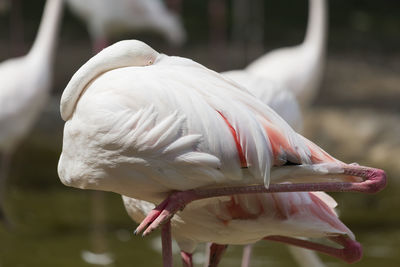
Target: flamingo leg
x,y
350,253
373,181
166,244
216,252
186,259
247,255
207,254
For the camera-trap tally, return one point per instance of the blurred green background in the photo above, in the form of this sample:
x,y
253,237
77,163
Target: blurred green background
x,y
355,118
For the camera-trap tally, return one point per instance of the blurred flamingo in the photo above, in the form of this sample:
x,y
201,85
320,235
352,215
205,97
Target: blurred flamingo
x,y
107,19
25,84
168,130
299,68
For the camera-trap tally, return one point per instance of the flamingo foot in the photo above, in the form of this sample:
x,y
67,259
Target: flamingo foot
x,y
373,181
216,252
165,210
350,253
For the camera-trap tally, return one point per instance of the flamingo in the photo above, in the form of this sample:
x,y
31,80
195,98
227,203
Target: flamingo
x,y
108,18
243,219
299,68
25,85
168,130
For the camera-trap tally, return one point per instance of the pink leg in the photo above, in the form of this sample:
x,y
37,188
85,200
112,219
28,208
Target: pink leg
x,y
216,252
186,259
166,244
374,181
350,253
247,255
207,254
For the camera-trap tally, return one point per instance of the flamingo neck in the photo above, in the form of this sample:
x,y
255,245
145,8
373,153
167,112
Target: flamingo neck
x,y
45,41
317,25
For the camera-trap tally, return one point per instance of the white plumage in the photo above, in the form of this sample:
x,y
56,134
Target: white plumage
x,y
280,99
245,219
25,81
151,128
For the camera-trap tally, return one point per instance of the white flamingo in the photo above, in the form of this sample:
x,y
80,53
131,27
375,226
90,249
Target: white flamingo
x,y
299,68
106,19
25,85
244,219
145,125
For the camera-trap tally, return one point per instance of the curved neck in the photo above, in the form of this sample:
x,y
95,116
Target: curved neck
x,y
317,24
45,41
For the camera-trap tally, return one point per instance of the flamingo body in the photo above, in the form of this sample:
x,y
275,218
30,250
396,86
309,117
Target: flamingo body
x,y
25,81
247,219
141,124
22,100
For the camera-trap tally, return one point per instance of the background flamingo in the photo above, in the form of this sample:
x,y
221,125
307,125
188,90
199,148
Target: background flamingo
x,y
25,87
299,68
